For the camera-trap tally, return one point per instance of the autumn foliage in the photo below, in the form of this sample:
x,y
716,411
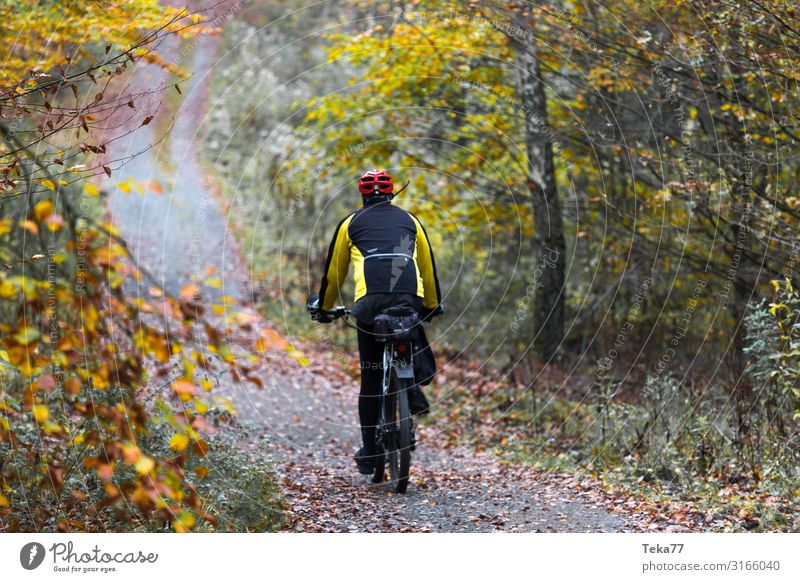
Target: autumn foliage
x,y
104,378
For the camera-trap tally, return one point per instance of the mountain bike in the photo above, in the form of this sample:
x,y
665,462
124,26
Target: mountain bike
x,y
394,435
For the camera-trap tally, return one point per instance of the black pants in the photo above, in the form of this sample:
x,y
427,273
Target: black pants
x,y
371,355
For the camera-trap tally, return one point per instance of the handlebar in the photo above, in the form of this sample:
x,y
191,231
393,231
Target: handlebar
x,y
312,306
337,312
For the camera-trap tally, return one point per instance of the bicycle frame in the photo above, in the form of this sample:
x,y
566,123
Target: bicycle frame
x,y
403,364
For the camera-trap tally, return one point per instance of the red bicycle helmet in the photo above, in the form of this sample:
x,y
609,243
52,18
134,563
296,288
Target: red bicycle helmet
x,y
375,182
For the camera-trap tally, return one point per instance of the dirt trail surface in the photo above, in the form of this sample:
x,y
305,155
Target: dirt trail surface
x,y
306,416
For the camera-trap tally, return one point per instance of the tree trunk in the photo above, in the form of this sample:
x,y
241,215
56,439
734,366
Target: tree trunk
x,y
548,237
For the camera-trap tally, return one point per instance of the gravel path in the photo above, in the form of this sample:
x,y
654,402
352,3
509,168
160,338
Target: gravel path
x,y
310,425
308,420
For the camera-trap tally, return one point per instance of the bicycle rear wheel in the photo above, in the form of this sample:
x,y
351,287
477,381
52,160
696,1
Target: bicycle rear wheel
x,y
398,436
405,438
384,421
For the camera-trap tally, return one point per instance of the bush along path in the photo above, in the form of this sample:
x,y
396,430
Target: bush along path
x,y
302,421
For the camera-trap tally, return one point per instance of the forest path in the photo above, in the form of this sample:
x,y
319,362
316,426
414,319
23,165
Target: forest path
x,y
307,417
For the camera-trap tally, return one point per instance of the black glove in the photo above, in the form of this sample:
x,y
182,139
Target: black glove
x,y
312,303
312,306
321,317
428,313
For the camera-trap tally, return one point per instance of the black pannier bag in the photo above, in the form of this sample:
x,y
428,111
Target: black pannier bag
x,y
397,324
403,324
424,362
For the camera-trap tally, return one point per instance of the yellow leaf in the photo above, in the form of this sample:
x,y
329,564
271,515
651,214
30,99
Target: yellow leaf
x,y
214,282
775,307
183,522
3,501
91,190
299,356
144,465
178,442
41,413
5,226
26,335
48,184
43,210
125,186
51,427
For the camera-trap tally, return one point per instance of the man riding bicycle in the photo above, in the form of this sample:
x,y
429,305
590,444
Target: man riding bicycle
x,y
393,267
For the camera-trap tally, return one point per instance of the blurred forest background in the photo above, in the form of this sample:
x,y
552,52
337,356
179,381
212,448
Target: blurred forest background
x,y
610,191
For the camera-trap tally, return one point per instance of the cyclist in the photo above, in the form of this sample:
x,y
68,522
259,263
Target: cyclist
x,y
393,267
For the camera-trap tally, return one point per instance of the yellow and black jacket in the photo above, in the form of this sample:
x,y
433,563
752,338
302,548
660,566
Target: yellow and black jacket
x,y
390,252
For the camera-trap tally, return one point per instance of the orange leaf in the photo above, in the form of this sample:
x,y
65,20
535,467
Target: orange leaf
x,y
105,472
184,389
189,292
30,226
72,385
131,454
